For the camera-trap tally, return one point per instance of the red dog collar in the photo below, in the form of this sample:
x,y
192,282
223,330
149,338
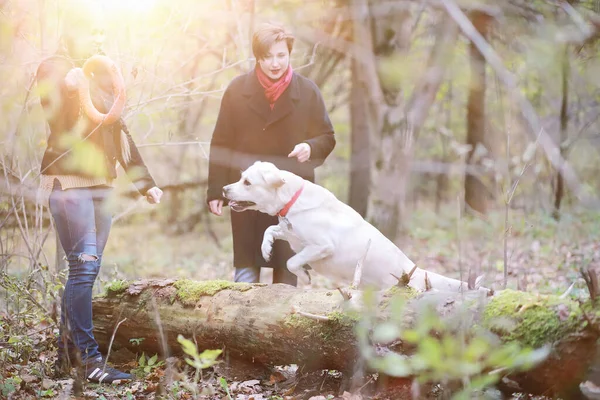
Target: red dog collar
x,y
283,212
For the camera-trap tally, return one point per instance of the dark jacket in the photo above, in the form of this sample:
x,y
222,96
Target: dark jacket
x,y
247,130
98,154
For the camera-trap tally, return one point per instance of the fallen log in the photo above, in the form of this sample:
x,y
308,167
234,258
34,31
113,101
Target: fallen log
x,y
280,325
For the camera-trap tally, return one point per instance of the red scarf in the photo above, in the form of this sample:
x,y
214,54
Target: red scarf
x,y
273,90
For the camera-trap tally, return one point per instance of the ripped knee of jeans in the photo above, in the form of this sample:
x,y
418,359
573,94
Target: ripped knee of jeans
x,y
84,257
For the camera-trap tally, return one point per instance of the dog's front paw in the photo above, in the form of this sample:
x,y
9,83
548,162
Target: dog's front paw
x,y
266,248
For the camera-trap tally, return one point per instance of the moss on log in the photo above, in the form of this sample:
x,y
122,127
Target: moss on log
x,y
279,324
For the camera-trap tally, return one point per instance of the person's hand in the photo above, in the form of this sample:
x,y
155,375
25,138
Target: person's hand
x,y
301,152
216,207
73,78
153,195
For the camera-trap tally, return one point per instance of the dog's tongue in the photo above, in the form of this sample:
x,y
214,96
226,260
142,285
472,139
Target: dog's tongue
x,y
235,206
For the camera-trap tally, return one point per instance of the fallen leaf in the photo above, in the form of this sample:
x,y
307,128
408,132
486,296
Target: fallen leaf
x,y
350,396
276,377
47,383
27,378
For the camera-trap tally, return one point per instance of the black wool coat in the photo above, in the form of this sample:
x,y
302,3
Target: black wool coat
x,y
247,130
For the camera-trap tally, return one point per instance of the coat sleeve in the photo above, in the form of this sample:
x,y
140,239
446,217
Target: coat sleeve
x,y
321,136
221,150
136,169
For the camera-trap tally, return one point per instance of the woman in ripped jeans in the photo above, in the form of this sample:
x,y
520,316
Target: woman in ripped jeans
x,y
77,174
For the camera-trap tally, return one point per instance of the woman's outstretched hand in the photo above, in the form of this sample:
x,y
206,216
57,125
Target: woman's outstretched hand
x,y
153,195
301,152
216,207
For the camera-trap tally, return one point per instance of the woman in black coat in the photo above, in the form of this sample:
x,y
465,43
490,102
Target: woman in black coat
x,y
269,114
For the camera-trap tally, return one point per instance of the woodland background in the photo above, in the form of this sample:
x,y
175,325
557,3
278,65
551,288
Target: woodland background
x,y
467,132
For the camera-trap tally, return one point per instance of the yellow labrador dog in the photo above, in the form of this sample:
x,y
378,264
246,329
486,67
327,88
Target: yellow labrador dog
x,y
325,233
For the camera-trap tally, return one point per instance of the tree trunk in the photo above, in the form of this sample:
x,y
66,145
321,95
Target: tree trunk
x,y
475,191
252,321
564,121
442,181
390,173
277,325
359,132
399,127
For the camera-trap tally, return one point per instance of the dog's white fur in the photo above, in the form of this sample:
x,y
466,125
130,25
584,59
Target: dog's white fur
x,y
325,233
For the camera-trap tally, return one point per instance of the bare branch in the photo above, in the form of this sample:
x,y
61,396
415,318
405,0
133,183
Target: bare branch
x,y
550,148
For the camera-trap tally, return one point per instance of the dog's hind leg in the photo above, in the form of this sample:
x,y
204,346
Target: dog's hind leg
x,y
308,255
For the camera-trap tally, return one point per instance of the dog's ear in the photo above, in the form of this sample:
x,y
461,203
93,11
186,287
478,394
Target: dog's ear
x,y
273,179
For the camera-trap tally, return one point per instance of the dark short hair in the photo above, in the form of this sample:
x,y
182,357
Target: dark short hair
x,y
268,34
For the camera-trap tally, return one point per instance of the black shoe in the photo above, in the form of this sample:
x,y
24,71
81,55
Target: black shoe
x,y
96,371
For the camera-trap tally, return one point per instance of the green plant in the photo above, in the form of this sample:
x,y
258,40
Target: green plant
x,y
47,393
10,385
225,386
148,364
136,341
199,361
446,350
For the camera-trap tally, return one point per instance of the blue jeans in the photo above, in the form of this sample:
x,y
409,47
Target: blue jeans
x,y
252,275
83,223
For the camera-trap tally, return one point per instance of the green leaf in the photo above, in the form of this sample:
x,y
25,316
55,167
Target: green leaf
x,y
14,339
223,383
410,336
430,349
190,362
393,364
386,333
210,355
477,348
225,386
152,360
142,360
188,346
7,388
48,393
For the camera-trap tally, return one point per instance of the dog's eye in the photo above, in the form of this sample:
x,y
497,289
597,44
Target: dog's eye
x,y
246,182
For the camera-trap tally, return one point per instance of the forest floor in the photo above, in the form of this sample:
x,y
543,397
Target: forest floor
x,y
541,255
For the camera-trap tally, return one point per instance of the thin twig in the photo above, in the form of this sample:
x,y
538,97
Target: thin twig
x,y
163,339
112,338
316,317
346,295
359,266
173,144
460,263
568,291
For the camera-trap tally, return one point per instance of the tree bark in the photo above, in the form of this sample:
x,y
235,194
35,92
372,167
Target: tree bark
x,y
359,132
399,127
251,321
278,325
475,191
395,121
564,122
